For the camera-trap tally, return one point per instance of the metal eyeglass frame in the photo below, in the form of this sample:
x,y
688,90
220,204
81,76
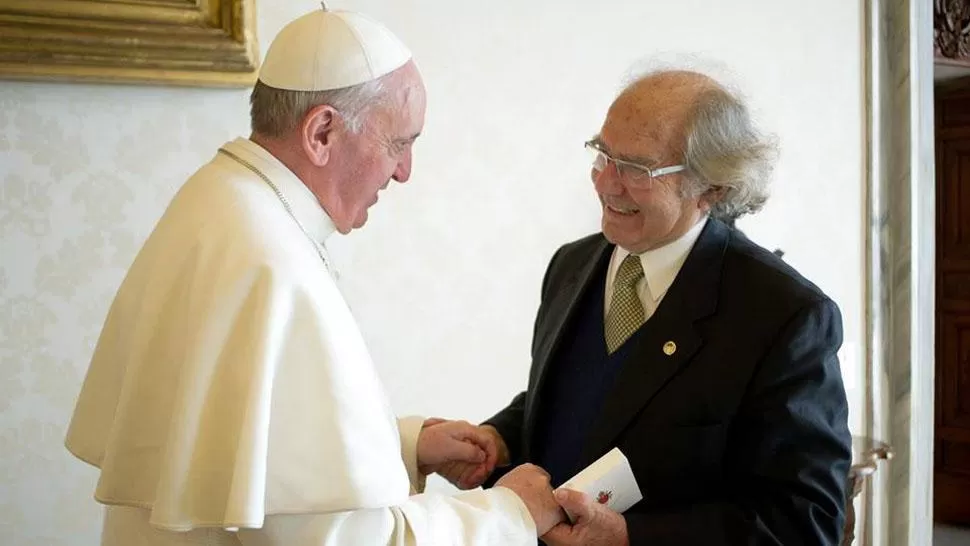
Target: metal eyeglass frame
x,y
602,159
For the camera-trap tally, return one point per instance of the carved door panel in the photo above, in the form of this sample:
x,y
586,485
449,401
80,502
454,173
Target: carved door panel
x,y
952,435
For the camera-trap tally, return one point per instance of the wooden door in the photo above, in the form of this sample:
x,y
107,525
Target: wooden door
x,y
952,435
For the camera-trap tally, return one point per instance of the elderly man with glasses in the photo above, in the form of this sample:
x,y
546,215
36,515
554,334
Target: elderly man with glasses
x,y
710,363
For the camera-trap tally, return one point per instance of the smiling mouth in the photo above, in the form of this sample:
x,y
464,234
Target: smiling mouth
x,y
622,210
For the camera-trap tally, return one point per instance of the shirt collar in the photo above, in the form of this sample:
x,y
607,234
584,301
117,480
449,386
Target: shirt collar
x,y
305,206
661,265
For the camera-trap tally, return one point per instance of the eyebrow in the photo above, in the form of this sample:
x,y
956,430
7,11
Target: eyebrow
x,y
623,157
406,140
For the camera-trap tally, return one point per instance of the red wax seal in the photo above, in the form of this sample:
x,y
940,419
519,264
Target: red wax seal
x,y
604,497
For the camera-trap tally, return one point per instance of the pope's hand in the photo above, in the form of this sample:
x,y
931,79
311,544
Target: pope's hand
x,y
469,476
531,484
595,524
454,444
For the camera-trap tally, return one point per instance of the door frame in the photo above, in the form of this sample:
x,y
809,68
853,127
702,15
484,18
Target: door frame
x,y
900,231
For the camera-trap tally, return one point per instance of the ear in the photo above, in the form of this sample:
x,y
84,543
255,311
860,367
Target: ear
x,y
712,197
318,132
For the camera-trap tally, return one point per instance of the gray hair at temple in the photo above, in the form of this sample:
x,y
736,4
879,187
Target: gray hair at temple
x,y
277,112
725,153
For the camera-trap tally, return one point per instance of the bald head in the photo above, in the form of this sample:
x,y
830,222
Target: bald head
x,y
656,108
673,81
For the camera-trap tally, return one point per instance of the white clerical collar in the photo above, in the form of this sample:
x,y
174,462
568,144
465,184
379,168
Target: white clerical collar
x,y
661,265
306,208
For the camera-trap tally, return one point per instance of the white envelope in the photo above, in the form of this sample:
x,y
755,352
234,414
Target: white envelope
x,y
609,481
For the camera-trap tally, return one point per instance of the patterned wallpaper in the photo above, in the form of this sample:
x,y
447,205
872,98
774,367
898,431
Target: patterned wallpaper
x,y
85,171
80,190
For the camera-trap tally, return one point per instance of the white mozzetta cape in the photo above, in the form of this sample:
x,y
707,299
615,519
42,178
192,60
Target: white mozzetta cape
x,y
231,389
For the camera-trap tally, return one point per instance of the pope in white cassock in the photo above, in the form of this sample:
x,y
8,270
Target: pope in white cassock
x,y
230,399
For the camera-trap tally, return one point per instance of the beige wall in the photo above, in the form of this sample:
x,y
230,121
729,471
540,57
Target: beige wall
x,y
445,278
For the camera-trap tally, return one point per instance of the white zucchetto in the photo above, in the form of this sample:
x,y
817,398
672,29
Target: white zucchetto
x,y
325,50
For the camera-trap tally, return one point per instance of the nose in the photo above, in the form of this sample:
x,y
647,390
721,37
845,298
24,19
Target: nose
x,y
606,181
403,171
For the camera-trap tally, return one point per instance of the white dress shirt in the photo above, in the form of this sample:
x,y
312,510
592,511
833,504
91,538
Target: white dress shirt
x,y
660,268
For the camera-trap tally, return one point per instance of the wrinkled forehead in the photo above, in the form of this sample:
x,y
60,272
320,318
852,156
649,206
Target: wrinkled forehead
x,y
401,113
646,126
407,104
415,104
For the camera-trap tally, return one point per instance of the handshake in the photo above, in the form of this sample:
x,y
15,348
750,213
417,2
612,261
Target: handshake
x,y
466,455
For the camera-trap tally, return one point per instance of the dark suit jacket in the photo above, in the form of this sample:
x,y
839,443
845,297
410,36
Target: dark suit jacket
x,y
740,436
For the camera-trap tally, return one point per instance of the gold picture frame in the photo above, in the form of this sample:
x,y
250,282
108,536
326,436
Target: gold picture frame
x,y
208,43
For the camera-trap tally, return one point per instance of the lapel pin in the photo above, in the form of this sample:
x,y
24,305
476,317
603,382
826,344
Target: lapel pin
x,y
670,348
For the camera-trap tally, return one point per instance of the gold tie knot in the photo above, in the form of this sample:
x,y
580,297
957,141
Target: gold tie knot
x,y
631,271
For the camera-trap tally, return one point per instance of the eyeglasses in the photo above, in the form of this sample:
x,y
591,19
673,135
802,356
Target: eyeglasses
x,y
630,171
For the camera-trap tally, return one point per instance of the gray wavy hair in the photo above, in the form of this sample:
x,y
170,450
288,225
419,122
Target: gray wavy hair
x,y
726,153
276,112
727,157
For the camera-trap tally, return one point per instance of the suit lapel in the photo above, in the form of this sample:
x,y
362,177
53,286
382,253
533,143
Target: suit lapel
x,y
561,309
668,342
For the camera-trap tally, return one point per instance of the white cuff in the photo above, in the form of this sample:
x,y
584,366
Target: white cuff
x,y
509,496
409,429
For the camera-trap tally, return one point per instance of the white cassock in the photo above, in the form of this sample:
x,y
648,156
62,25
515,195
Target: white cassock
x,y
231,398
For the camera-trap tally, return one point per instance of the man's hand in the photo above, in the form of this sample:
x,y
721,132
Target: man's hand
x,y
595,524
531,484
456,444
469,476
